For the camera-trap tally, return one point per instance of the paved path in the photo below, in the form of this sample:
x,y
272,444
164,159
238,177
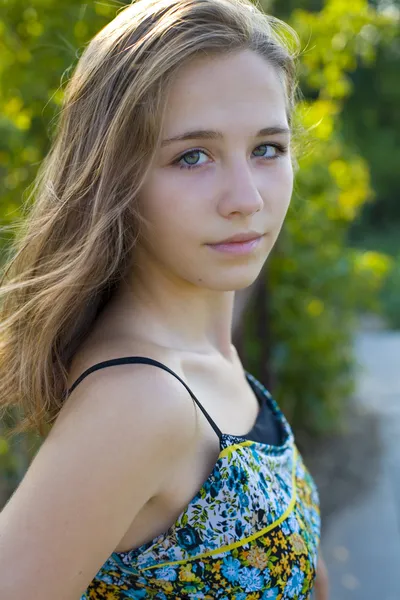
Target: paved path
x,y
361,539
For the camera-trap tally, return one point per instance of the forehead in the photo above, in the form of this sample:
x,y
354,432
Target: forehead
x,y
241,90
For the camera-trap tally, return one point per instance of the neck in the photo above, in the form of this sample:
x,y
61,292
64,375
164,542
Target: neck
x,y
175,314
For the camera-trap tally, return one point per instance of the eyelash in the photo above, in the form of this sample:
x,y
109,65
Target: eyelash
x,y
281,150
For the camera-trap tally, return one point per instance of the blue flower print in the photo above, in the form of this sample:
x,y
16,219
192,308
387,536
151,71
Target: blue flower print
x,y
251,579
213,485
285,528
267,577
239,528
237,479
295,582
243,499
270,594
293,523
136,595
188,538
168,573
104,577
230,569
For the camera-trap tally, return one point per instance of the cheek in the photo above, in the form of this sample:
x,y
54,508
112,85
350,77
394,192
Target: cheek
x,y
174,201
169,212
277,192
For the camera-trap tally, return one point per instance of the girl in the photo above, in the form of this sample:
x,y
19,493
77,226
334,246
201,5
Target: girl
x,y
172,474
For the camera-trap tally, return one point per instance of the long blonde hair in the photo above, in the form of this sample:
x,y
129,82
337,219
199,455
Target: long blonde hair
x,y
74,245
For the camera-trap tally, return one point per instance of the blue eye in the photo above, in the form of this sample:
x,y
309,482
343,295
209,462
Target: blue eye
x,y
263,148
190,160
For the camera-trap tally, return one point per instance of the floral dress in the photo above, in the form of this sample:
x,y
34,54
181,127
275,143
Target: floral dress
x,y
250,533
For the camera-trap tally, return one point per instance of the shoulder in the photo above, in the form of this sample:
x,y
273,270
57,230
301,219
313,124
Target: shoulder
x,y
115,442
132,395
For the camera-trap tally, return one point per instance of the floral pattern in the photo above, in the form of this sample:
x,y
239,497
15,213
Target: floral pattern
x,y
250,533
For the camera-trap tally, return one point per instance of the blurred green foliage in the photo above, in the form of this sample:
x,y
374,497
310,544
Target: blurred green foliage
x,y
39,41
317,283
384,239
371,124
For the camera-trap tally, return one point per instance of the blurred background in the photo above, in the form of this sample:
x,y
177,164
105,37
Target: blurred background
x,y
321,326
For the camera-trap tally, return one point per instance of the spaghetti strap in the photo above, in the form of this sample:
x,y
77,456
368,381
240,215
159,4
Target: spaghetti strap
x,y
145,361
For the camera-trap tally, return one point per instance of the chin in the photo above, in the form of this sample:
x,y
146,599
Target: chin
x,y
231,280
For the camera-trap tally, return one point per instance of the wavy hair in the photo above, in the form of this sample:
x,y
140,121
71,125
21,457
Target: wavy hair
x,y
75,242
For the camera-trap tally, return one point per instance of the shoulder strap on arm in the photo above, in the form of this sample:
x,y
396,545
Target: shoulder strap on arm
x,y
146,361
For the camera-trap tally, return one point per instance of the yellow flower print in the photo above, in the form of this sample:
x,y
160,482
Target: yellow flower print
x,y
216,567
256,557
185,573
298,544
282,542
276,569
243,554
267,541
166,585
300,521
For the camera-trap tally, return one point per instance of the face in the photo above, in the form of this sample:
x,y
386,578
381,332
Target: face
x,y
223,177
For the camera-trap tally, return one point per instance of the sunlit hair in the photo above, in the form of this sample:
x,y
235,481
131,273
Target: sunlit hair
x,y
75,243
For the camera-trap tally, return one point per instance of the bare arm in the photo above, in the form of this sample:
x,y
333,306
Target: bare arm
x,y
322,580
102,461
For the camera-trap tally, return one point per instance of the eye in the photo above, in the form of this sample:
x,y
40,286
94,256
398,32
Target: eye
x,y
265,151
190,159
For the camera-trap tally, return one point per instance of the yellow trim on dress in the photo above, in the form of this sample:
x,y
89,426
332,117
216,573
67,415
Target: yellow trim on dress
x,y
251,537
233,447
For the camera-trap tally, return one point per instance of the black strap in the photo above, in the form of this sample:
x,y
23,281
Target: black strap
x,y
145,361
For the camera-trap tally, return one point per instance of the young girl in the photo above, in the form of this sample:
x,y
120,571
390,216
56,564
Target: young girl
x,y
168,470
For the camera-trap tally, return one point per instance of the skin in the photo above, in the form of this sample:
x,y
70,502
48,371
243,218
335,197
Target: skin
x,y
181,290
322,580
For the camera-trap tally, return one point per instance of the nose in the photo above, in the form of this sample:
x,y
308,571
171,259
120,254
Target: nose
x,y
240,193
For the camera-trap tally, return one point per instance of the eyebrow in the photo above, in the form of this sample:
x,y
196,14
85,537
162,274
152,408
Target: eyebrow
x,y
204,134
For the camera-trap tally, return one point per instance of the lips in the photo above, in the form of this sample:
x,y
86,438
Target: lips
x,y
239,238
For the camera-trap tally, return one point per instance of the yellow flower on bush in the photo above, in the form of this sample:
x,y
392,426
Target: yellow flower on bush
x,y
315,307
374,262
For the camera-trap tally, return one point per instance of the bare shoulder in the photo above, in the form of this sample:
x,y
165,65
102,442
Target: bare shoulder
x,y
128,395
119,435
